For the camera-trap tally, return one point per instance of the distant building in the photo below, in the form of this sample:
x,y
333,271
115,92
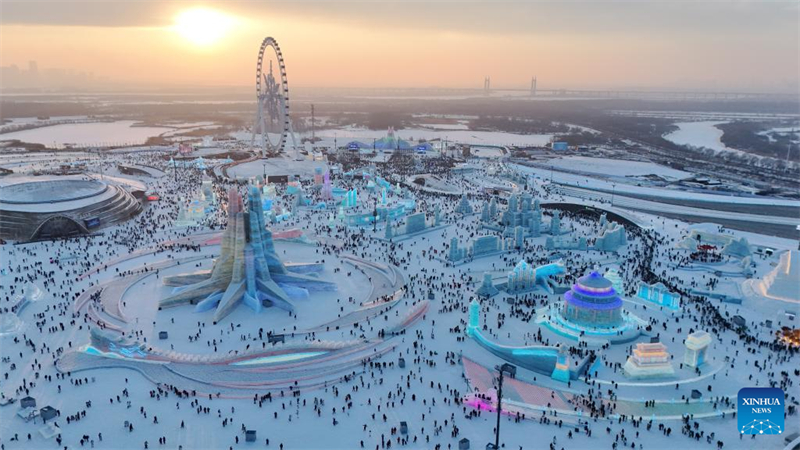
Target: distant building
x,y
390,142
559,146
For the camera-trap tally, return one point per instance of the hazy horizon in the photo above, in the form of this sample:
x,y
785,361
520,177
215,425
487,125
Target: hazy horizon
x,y
710,46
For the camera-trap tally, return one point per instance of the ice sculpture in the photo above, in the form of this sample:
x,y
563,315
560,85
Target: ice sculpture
x,y
327,189
350,199
487,288
555,224
611,238
463,207
474,317
522,278
248,269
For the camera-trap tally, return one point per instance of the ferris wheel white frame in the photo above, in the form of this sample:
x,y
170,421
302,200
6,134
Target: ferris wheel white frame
x,y
273,103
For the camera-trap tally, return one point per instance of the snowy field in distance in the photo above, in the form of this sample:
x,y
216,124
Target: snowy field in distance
x,y
615,167
87,134
699,134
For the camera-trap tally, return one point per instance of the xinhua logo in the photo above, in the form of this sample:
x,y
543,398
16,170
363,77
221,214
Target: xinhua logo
x,y
760,411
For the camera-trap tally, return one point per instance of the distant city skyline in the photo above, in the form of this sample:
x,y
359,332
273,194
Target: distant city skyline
x,y
710,46
30,76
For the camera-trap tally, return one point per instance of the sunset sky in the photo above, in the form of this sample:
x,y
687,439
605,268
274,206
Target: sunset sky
x,y
714,45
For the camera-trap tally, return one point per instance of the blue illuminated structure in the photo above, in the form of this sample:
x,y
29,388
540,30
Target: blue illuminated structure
x,y
456,253
357,145
485,245
423,148
487,288
385,214
593,302
350,198
415,223
474,317
660,295
550,361
383,183
522,278
390,142
463,207
248,269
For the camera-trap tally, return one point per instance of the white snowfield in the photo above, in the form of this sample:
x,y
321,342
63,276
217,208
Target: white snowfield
x,y
616,167
630,187
117,278
699,134
87,134
495,138
656,207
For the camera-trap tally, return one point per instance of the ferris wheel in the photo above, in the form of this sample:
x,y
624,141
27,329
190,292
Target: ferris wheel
x,y
272,95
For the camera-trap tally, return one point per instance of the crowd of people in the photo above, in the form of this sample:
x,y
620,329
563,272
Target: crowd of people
x,y
371,402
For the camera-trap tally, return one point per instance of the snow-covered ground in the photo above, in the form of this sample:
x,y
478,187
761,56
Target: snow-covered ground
x,y
366,409
703,134
87,134
706,115
447,126
635,187
792,132
343,135
616,167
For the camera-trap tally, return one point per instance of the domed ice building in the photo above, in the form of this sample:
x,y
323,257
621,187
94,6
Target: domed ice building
x,y
592,302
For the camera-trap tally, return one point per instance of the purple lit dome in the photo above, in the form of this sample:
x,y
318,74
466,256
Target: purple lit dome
x,y
593,302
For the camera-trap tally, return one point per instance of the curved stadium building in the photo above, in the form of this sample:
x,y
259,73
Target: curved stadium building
x,y
53,208
593,302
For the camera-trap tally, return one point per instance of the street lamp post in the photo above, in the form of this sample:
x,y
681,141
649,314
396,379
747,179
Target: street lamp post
x,y
375,218
613,191
511,370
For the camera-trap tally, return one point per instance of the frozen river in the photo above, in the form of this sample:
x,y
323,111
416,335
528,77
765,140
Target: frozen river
x,y
699,134
87,134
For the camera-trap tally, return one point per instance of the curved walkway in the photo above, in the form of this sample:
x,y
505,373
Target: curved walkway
x,y
660,383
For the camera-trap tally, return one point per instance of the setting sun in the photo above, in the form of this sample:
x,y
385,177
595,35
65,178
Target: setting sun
x,y
202,27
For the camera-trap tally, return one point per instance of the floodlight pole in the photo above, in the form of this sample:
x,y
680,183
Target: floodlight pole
x,y
499,408
375,218
511,369
100,158
613,191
